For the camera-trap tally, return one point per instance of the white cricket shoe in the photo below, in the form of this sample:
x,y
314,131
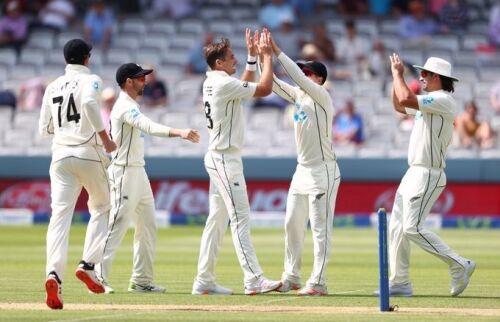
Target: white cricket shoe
x,y
86,274
107,288
215,289
287,286
398,290
53,291
313,290
263,285
460,284
150,288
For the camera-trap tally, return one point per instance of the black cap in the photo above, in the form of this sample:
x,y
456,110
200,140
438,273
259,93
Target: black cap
x,y
316,67
130,70
76,50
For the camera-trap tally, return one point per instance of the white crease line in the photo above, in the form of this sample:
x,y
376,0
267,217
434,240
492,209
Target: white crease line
x,y
346,292
99,317
290,298
287,298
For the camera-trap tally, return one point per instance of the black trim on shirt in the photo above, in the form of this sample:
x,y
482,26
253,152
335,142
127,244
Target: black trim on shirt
x,y
117,209
231,124
79,144
430,137
129,145
319,132
282,89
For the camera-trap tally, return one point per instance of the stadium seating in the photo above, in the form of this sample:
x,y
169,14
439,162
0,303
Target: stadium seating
x,y
166,43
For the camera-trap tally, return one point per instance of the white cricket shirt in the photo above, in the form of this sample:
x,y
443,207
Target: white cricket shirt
x,y
433,129
222,95
71,112
313,115
128,126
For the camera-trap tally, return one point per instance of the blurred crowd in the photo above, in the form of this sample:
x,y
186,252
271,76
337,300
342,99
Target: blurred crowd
x,y
351,56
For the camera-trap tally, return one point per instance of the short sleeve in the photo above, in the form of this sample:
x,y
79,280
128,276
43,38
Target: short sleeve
x,y
236,88
435,104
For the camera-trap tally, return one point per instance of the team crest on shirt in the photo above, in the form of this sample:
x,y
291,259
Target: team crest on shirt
x,y
95,85
427,100
135,113
245,84
418,115
300,115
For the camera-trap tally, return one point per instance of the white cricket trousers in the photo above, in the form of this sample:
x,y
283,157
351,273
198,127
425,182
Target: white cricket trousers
x,y
228,200
418,191
67,177
312,197
131,199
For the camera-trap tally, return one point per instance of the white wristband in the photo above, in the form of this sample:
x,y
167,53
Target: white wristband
x,y
251,59
251,67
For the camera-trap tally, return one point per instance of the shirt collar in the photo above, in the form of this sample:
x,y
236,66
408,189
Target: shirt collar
x,y
123,95
217,72
75,68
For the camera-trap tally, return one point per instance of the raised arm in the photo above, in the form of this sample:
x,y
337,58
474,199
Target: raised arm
x,y
281,88
402,95
249,73
398,107
265,85
316,91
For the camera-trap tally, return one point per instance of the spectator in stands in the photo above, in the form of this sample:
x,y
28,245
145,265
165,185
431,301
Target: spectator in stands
x,y
435,6
275,13
98,25
13,26
197,63
167,8
473,132
8,99
348,126
108,97
155,92
323,43
290,38
380,7
495,97
453,16
57,15
311,52
380,67
306,11
417,27
31,94
352,7
495,25
351,49
399,7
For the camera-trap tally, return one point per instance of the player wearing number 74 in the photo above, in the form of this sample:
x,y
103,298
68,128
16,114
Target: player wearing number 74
x,y
71,113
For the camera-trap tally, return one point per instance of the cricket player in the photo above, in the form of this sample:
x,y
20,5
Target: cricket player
x,y
71,113
425,179
228,199
316,180
131,194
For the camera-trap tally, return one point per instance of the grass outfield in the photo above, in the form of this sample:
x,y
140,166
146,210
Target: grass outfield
x,y
352,277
